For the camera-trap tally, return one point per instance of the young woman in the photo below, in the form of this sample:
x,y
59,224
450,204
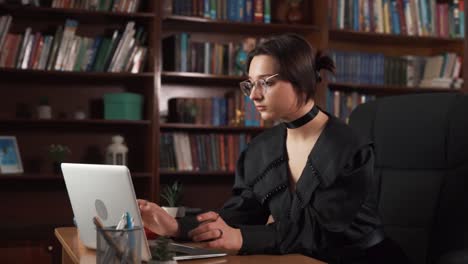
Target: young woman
x,y
311,175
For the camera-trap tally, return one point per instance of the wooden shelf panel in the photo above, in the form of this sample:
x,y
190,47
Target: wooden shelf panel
x,y
387,89
165,173
379,38
197,24
10,74
84,16
223,129
200,78
69,123
53,177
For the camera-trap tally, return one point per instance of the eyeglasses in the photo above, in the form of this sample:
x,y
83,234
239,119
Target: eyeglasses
x,y
265,83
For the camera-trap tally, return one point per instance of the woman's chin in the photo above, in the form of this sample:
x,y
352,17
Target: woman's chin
x,y
267,116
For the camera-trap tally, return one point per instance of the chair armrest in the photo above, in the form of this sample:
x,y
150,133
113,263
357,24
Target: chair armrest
x,y
454,257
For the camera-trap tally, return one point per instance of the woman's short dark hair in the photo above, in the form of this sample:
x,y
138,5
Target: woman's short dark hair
x,y
297,60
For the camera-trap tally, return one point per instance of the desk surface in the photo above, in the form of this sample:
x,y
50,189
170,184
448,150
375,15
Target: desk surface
x,y
74,252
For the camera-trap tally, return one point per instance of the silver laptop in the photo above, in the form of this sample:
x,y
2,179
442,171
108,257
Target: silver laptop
x,y
107,191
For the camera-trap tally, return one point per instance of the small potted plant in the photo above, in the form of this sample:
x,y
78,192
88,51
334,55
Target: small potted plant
x,y
161,253
172,194
58,154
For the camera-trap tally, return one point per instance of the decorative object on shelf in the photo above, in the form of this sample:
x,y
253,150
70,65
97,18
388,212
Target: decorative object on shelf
x,y
248,44
172,195
58,154
161,253
79,114
239,118
126,106
295,14
117,151
10,159
44,111
280,11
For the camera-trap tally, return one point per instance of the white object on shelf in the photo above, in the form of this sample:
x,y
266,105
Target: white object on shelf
x,y
117,151
44,112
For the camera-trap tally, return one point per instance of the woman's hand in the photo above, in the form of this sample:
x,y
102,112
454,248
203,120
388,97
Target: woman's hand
x,y
157,220
215,233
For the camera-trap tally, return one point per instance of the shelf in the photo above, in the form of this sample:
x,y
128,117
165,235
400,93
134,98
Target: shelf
x,y
198,24
84,16
223,129
11,74
387,89
70,123
379,38
164,172
200,78
53,177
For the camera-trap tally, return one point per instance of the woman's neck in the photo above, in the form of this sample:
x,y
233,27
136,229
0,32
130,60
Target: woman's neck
x,y
308,129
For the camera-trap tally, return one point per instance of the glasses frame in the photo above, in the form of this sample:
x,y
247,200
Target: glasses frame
x,y
262,81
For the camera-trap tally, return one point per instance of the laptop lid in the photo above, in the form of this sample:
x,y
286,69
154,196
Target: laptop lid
x,y
105,191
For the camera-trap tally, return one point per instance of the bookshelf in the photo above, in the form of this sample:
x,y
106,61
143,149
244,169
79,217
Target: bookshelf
x,y
39,187
423,39
37,201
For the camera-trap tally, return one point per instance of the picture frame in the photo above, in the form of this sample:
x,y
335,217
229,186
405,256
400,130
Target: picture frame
x,y
10,158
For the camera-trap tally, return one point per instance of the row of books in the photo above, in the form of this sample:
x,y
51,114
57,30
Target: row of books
x,y
65,51
402,17
234,109
373,68
127,6
341,104
258,11
184,54
201,152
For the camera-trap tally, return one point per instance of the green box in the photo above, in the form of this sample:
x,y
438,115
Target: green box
x,y
123,106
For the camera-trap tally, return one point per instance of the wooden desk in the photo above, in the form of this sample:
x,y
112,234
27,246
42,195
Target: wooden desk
x,y
73,252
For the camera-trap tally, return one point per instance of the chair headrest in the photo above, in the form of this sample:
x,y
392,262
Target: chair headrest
x,y
416,131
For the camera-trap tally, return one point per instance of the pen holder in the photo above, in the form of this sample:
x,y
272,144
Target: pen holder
x,y
118,246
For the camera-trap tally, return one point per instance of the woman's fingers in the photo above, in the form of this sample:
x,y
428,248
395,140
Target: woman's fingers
x,y
209,216
209,235
201,229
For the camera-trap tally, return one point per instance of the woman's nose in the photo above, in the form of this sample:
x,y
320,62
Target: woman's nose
x,y
256,93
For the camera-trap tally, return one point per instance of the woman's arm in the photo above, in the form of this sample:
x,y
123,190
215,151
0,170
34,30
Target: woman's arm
x,y
242,208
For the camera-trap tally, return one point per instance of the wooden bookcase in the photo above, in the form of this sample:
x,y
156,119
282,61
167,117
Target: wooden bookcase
x,y
36,201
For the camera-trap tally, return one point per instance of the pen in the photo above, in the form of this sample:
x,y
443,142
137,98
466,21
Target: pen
x,y
129,220
122,223
131,238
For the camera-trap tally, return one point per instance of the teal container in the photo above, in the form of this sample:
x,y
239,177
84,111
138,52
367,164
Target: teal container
x,y
123,106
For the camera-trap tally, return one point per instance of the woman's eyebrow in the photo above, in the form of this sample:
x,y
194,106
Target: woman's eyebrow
x,y
262,75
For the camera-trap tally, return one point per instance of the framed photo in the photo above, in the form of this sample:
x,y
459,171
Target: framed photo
x,y
10,159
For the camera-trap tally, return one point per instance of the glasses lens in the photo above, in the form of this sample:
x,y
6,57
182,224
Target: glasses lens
x,y
264,85
246,87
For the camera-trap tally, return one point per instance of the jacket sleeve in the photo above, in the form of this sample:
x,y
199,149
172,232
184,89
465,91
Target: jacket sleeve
x,y
241,208
321,223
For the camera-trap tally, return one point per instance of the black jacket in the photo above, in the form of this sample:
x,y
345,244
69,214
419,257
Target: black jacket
x,y
331,214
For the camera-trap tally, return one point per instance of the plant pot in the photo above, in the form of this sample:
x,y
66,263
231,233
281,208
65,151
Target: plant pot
x,y
175,211
162,262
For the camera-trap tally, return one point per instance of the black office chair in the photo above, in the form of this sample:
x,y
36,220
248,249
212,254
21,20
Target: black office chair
x,y
421,146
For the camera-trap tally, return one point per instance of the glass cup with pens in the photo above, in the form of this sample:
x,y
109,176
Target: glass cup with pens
x,y
119,244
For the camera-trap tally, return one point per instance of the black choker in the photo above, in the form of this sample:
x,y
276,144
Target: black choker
x,y
303,119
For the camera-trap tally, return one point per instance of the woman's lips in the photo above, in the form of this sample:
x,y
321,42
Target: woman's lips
x,y
260,107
